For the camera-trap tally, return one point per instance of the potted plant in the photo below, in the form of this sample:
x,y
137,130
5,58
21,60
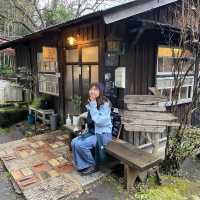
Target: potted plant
x,y
76,100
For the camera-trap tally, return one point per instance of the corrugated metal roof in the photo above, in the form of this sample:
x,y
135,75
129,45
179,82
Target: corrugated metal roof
x,y
136,7
110,15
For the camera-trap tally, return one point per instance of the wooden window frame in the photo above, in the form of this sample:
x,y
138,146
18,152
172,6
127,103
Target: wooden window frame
x,y
82,64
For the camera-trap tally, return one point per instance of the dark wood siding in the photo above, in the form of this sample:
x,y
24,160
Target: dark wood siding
x,y
140,63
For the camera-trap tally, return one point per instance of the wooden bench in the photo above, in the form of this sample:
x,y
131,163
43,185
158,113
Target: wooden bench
x,y
134,159
142,114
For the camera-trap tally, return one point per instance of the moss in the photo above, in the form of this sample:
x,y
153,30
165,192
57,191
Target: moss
x,y
172,189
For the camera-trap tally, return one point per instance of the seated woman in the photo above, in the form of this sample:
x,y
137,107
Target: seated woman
x,y
99,122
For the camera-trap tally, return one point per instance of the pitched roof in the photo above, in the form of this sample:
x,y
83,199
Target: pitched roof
x,y
110,15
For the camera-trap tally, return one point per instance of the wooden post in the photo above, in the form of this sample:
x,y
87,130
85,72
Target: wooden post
x,y
156,143
136,139
131,175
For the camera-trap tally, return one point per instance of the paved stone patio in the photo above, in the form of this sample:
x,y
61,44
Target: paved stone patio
x,y
42,168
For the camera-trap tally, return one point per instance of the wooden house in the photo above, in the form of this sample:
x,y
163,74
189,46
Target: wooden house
x,y
7,56
125,47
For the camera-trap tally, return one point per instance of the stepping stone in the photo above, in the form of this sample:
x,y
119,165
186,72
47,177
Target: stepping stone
x,y
23,154
27,181
53,173
54,146
87,180
40,143
41,167
26,172
20,148
9,157
54,162
60,137
17,175
44,175
32,152
34,145
62,160
60,143
66,168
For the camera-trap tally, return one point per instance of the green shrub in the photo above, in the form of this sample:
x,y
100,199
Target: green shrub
x,y
10,116
6,105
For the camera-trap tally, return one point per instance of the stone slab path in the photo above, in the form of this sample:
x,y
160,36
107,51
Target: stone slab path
x,y
42,168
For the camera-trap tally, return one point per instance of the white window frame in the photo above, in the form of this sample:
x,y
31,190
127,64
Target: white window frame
x,y
164,73
180,101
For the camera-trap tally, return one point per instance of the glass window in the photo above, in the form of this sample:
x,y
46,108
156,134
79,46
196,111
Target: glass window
x,y
168,64
190,92
167,93
183,93
77,79
94,73
160,64
72,55
79,75
167,57
86,80
90,54
68,82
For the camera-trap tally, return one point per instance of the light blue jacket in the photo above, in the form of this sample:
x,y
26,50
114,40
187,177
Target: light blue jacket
x,y
101,117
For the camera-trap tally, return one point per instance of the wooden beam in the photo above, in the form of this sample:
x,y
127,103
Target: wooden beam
x,y
148,122
144,99
147,108
148,115
142,128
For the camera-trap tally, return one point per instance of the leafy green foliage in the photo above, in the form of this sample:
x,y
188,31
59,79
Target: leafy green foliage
x,y
6,71
182,144
58,15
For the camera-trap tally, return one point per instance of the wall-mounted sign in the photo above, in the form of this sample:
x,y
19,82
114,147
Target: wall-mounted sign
x,y
49,84
49,54
47,60
120,77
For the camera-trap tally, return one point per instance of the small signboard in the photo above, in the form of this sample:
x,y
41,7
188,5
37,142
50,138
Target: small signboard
x,y
120,77
49,54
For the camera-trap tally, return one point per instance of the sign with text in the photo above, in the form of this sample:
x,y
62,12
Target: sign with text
x,y
49,54
120,77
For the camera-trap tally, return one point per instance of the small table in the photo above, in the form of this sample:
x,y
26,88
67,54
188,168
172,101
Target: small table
x,y
42,114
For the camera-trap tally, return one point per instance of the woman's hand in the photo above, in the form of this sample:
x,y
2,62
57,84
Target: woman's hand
x,y
92,98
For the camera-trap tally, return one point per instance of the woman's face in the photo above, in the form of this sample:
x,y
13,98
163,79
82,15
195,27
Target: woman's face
x,y
94,92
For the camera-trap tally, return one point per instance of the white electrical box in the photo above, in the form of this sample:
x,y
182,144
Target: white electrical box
x,y
120,77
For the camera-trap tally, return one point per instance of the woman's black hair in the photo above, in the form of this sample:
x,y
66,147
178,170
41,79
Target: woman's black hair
x,y
101,99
